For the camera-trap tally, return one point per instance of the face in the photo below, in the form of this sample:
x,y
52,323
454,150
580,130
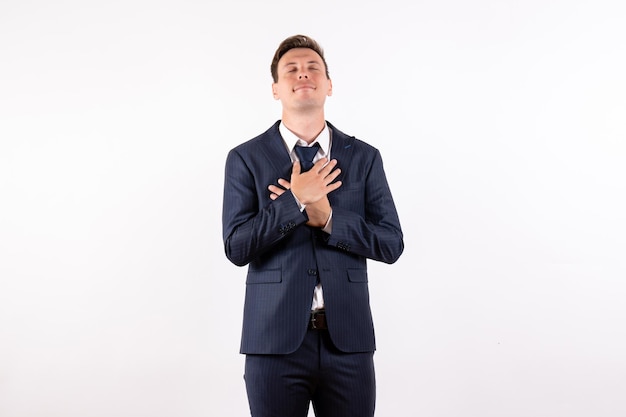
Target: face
x,y
302,82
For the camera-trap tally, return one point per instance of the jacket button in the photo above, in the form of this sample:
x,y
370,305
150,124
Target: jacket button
x,y
343,246
312,272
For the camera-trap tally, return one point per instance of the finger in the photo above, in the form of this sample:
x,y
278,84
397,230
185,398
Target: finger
x,y
296,168
275,190
321,162
273,196
320,165
286,184
332,176
332,187
328,167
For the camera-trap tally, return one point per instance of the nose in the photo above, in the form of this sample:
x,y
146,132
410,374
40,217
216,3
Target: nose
x,y
303,75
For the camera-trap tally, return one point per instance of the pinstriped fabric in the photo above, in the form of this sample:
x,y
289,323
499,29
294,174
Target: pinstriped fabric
x,y
285,256
338,384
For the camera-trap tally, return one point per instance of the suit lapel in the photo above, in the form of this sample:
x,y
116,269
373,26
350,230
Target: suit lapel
x,y
341,149
276,153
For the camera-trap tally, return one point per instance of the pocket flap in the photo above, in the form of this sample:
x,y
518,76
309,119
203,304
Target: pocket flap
x,y
357,275
264,277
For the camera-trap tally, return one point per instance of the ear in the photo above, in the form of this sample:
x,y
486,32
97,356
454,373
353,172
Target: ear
x,y
330,87
275,91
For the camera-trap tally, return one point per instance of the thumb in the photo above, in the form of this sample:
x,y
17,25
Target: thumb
x,y
296,168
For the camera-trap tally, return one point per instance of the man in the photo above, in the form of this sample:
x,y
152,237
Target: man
x,y
306,234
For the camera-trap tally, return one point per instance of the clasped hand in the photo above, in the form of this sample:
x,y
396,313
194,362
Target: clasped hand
x,y
311,188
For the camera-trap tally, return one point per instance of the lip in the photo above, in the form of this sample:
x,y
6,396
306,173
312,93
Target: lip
x,y
304,87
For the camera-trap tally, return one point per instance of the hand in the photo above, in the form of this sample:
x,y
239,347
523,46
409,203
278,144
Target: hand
x,y
276,191
318,212
311,186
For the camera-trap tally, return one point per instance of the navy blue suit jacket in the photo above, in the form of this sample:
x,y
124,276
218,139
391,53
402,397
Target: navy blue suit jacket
x,y
286,256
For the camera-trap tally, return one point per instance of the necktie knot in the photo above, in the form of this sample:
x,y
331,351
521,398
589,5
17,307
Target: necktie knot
x,y
306,154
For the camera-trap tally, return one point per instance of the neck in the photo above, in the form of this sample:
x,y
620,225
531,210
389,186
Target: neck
x,y
306,127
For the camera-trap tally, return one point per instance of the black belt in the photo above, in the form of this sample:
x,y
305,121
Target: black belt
x,y
318,320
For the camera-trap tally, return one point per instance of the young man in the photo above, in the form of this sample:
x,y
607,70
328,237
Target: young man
x,y
306,233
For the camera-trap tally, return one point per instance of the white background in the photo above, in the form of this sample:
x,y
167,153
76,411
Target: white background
x,y
502,125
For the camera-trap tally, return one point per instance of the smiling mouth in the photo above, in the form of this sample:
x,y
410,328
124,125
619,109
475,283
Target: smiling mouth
x,y
304,87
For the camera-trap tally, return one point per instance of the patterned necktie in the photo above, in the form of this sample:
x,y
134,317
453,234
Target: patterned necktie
x,y
306,155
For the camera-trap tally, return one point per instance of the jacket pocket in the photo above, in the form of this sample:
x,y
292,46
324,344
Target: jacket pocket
x,y
264,277
357,275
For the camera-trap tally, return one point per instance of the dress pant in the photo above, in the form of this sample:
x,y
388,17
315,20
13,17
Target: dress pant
x,y
338,384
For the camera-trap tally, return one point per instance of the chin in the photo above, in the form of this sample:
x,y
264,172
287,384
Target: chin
x,y
309,104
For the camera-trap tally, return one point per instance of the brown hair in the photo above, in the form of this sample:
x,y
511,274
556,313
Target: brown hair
x,y
292,42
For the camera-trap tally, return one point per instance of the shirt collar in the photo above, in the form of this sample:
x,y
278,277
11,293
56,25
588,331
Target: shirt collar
x,y
291,140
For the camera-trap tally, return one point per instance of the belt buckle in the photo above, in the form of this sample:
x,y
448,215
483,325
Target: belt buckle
x,y
313,320
314,315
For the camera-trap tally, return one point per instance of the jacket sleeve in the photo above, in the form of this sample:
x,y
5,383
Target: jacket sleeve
x,y
251,223
375,232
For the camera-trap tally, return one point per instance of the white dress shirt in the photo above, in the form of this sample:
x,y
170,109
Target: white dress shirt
x,y
325,140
